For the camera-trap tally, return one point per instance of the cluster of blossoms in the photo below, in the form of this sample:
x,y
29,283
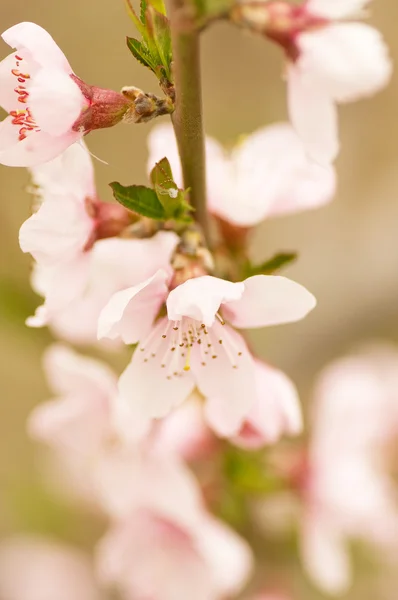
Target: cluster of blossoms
x,y
133,447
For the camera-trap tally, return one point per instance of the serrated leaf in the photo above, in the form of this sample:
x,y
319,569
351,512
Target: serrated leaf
x,y
140,52
158,38
282,259
143,7
134,17
139,199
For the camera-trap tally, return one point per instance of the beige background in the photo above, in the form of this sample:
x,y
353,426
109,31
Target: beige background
x,y
348,251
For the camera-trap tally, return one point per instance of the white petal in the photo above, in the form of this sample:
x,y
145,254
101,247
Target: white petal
x,y
9,136
39,43
348,60
269,300
313,114
325,556
150,389
129,313
229,557
200,298
336,9
38,147
71,173
55,100
58,231
227,380
162,143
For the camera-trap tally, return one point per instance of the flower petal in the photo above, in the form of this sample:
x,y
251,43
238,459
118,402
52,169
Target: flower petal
x,y
229,557
336,9
71,173
8,97
55,100
58,231
227,380
147,387
348,60
38,147
276,411
325,555
313,114
39,43
200,298
129,313
269,300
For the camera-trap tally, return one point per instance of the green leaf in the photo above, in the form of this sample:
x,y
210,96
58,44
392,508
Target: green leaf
x,y
134,17
139,199
173,200
140,52
143,7
271,265
158,39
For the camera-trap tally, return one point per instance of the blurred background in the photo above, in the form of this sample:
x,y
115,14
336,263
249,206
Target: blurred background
x,y
348,251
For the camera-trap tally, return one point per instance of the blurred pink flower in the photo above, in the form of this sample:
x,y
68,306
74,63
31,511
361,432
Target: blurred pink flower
x,y
276,410
193,345
164,545
32,568
42,99
336,62
347,489
267,175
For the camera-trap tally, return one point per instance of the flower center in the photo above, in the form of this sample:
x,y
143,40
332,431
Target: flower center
x,y
22,118
175,343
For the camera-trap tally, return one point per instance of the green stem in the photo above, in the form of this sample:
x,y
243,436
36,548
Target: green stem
x,y
187,117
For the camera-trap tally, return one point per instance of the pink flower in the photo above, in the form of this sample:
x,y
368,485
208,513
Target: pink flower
x,y
336,62
49,107
164,545
193,345
61,233
348,492
79,420
32,568
113,264
267,175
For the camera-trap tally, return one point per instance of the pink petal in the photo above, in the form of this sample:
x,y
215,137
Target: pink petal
x,y
229,557
9,136
129,313
276,412
71,173
58,231
38,147
39,43
148,388
33,568
313,114
200,298
325,556
8,81
348,60
302,184
229,388
336,9
68,372
55,100
269,300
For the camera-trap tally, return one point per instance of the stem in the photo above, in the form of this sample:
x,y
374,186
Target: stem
x,y
187,117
